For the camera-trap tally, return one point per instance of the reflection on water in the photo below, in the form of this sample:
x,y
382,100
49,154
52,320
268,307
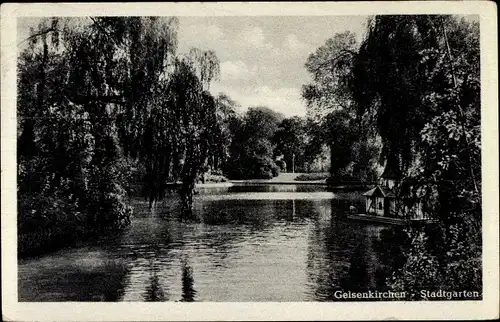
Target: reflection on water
x,y
154,291
251,244
188,292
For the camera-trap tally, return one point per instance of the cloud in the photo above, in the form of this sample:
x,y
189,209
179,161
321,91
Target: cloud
x,y
286,100
255,37
200,36
293,43
234,70
214,32
291,51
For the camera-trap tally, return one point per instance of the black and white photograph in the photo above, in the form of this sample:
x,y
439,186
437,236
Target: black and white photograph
x,y
197,157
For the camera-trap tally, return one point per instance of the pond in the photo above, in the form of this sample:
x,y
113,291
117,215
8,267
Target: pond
x,y
253,243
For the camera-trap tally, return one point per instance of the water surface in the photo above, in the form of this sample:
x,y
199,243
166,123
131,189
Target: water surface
x,y
253,243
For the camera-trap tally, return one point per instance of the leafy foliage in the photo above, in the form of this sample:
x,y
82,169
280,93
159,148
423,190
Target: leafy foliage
x,y
251,150
330,67
97,95
331,109
290,140
414,83
429,122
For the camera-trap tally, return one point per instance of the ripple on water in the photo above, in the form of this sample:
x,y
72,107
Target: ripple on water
x,y
270,196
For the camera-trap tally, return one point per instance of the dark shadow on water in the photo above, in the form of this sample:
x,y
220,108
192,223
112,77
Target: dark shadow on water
x,y
188,291
357,278
154,291
276,188
256,213
103,283
389,248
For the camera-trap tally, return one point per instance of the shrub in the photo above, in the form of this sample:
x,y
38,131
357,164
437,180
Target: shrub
x,y
215,178
312,176
420,271
454,265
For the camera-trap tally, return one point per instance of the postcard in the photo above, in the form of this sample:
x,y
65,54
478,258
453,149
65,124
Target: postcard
x,y
250,161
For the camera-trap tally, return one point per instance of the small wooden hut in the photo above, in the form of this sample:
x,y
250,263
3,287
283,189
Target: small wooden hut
x,y
380,201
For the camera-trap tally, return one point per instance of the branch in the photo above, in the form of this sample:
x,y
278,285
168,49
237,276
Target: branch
x,y
103,30
43,32
82,100
334,61
352,52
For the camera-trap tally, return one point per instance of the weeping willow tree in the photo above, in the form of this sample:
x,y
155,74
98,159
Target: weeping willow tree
x,y
168,120
95,93
178,134
418,76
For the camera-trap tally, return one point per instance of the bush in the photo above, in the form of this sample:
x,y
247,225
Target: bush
x,y
216,172
252,167
70,209
420,271
312,176
455,267
215,178
263,173
265,168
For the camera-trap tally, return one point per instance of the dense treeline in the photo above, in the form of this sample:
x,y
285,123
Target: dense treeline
x,y
260,143
409,95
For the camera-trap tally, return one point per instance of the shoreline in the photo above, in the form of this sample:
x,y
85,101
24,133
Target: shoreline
x,y
231,183
269,181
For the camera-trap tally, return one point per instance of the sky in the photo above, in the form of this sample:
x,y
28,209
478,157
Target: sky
x,y
262,57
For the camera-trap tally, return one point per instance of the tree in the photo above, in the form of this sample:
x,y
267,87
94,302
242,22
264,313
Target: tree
x,y
290,140
316,141
421,97
70,178
414,81
331,107
226,117
205,65
261,122
389,81
330,67
251,148
418,78
341,137
95,93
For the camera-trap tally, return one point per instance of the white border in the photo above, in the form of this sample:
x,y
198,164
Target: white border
x,y
486,309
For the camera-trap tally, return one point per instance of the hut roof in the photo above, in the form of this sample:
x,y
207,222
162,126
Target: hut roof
x,y
384,191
